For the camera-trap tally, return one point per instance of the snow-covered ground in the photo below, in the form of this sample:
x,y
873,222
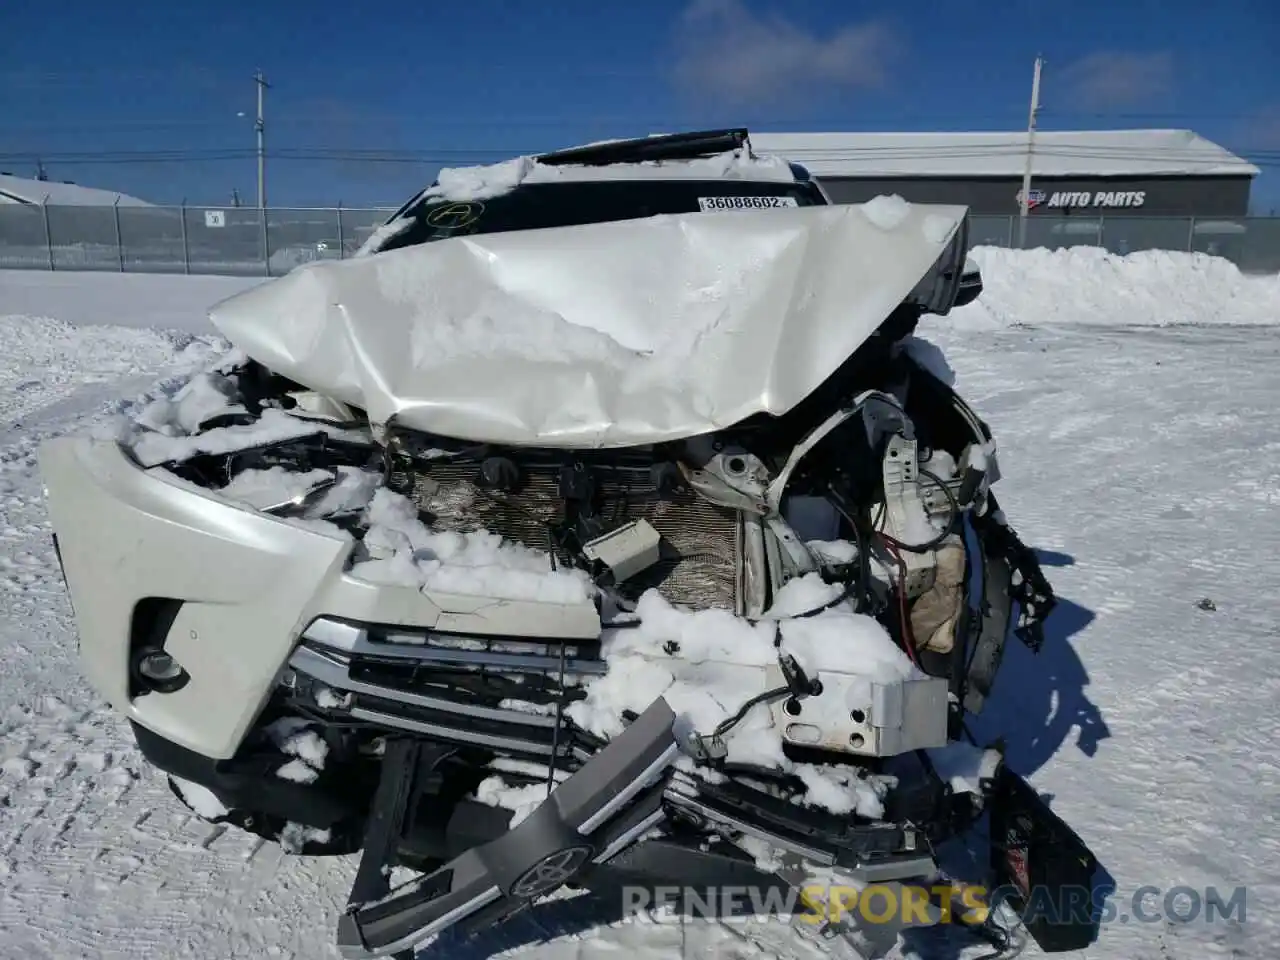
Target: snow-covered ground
x,y
1134,403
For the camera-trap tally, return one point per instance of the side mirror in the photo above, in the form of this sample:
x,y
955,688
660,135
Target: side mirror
x,y
970,284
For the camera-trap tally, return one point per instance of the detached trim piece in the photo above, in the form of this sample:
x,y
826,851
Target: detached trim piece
x,y
542,853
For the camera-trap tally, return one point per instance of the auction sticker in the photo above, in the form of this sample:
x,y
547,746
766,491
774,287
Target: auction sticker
x,y
745,203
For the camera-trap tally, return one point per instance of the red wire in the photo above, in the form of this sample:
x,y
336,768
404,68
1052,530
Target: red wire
x,y
908,639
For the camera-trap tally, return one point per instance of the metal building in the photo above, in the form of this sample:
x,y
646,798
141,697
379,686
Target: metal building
x,y
1150,173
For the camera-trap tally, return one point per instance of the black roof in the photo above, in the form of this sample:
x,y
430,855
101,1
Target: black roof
x,y
671,146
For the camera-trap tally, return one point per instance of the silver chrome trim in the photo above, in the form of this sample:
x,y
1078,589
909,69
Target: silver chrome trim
x,y
334,674
333,633
453,733
625,839
888,871
354,641
625,795
419,936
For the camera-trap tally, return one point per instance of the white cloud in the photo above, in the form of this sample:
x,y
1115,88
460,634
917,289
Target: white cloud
x,y
1113,78
729,54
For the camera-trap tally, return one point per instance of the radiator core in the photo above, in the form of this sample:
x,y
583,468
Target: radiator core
x,y
701,542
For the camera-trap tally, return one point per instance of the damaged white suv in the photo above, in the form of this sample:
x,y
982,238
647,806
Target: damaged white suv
x,y
592,522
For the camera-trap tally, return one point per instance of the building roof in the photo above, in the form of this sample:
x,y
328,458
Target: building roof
x,y
23,190
1056,153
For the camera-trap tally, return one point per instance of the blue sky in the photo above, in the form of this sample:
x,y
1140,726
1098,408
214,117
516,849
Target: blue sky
x,y
417,83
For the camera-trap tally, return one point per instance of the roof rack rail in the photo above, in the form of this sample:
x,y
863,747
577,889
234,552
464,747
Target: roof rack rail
x,y
671,146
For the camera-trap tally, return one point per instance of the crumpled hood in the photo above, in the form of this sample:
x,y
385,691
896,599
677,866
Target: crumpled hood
x,y
606,335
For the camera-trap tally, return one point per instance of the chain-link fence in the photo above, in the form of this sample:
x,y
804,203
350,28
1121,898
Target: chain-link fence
x,y
233,241
246,241
1252,243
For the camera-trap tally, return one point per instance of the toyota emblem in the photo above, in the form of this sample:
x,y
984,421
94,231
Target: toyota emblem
x,y
550,872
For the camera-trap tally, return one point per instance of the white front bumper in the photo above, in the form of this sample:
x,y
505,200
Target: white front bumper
x,y
249,584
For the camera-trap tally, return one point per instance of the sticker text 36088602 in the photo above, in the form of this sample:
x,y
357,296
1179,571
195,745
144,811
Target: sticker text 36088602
x,y
744,203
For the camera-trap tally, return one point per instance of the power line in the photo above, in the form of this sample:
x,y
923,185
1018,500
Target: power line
x,y
523,120
444,155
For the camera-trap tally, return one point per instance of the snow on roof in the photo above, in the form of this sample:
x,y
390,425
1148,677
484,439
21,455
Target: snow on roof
x,y
482,182
23,190
1056,153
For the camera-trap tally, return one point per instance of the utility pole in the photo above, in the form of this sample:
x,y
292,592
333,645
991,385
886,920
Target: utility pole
x,y
261,128
1024,203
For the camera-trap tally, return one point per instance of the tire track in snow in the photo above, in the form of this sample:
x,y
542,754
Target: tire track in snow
x,y
98,859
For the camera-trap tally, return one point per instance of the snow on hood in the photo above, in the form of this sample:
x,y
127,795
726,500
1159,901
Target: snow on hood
x,y
604,335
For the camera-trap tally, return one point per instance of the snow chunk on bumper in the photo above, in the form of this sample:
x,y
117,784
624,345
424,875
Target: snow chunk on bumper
x,y
836,640
405,551
604,335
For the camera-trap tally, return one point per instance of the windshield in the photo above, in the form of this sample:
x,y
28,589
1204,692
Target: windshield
x,y
537,206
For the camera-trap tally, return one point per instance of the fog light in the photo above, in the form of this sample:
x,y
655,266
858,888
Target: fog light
x,y
158,671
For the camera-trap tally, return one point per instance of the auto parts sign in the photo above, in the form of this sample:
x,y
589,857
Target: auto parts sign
x,y
1107,199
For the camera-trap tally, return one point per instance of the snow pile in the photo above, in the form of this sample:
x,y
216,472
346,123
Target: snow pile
x,y
169,427
521,801
1088,286
295,837
403,550
326,493
484,182
273,426
203,397
293,737
264,489
392,228
836,639
199,798
888,212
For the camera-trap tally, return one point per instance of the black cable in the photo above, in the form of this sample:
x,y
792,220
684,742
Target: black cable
x,y
977,566
947,530
336,424
835,601
777,693
862,543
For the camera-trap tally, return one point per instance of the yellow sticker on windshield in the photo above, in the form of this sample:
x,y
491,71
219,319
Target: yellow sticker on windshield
x,y
452,216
